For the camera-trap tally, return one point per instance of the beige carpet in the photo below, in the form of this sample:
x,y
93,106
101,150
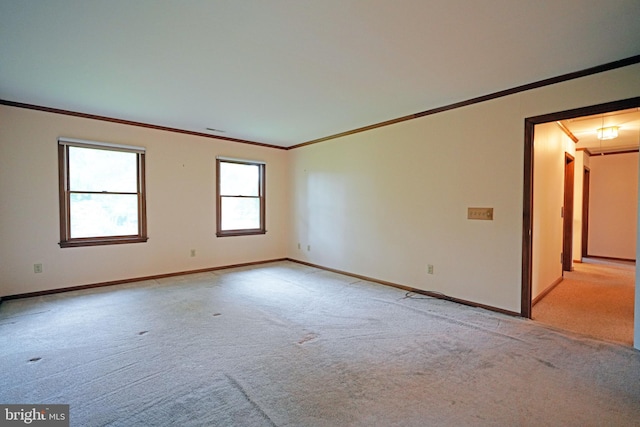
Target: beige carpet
x,y
287,345
596,299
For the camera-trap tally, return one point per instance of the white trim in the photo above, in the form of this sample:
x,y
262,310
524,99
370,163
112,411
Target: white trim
x,y
232,159
85,143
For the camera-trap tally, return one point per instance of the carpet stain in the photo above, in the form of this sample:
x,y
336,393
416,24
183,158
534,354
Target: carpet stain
x,y
35,359
217,314
143,332
549,364
309,337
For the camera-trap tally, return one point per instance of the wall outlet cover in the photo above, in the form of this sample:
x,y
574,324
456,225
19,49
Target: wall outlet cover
x,y
480,213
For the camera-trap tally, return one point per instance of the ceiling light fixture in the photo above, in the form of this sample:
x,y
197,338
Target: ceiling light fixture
x,y
609,132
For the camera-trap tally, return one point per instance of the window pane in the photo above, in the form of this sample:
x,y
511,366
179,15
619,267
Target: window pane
x,y
98,215
239,180
240,213
102,170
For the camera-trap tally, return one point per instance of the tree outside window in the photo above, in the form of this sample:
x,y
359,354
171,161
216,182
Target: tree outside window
x,y
102,198
240,197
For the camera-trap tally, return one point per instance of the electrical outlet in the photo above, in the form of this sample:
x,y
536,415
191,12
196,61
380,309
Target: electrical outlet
x,y
429,269
298,245
308,247
193,252
37,268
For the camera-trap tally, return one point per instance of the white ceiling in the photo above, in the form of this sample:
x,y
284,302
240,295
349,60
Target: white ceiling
x,y
286,72
585,129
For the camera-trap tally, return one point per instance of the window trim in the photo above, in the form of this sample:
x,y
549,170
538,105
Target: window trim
x,y
66,241
261,197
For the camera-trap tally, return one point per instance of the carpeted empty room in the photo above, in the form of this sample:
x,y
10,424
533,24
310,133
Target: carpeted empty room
x,y
318,213
285,344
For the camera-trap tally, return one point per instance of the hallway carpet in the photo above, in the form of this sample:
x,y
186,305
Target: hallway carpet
x,y
282,344
596,299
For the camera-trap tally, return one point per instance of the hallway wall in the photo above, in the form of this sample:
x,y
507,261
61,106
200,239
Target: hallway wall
x,y
549,148
613,207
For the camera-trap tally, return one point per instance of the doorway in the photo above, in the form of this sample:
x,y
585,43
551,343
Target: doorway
x,y
585,175
586,179
567,213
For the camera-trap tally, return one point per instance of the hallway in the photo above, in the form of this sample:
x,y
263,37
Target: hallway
x,y
595,299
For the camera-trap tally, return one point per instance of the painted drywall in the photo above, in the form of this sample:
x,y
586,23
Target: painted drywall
x,y
549,147
388,202
613,209
180,182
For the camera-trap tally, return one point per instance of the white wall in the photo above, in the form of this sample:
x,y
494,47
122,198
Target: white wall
x,y
387,202
549,148
613,207
180,180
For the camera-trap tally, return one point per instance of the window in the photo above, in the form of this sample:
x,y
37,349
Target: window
x,y
102,193
240,197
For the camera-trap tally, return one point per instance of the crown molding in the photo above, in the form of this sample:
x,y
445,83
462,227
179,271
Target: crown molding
x,y
541,83
130,123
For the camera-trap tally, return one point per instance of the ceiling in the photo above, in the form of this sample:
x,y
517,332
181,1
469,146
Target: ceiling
x,y
285,72
585,129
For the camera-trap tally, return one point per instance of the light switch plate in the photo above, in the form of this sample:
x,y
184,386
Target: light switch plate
x,y
480,213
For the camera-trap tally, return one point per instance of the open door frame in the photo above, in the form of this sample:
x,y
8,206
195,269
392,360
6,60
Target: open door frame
x,y
567,213
527,208
586,185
